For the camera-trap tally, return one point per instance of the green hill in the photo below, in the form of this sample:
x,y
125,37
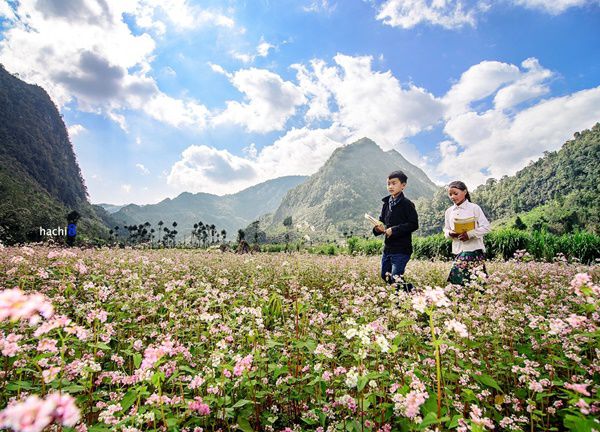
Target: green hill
x,y
560,192
352,181
40,180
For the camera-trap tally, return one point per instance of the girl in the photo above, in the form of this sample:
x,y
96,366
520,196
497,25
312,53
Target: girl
x,y
468,246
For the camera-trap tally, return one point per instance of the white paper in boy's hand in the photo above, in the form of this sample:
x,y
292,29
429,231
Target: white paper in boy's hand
x,y
371,219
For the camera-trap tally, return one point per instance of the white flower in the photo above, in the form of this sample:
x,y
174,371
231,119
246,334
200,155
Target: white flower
x,y
458,327
351,378
419,303
350,333
437,296
383,343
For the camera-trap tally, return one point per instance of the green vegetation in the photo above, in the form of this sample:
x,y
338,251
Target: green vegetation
x,y
559,193
40,181
502,243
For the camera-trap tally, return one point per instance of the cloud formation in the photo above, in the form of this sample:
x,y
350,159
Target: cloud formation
x,y
270,101
492,116
456,14
84,52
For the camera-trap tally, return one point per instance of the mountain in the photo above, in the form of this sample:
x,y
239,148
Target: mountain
x,y
40,180
350,183
111,208
560,192
229,212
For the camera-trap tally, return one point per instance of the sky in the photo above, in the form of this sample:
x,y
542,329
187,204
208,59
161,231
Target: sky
x,y
166,96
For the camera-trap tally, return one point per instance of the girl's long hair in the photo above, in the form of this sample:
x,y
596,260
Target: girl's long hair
x,y
460,185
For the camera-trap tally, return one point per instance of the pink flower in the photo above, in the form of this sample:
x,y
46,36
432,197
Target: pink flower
x,y
16,305
196,382
579,388
47,345
49,374
66,412
583,406
34,414
242,365
9,346
199,406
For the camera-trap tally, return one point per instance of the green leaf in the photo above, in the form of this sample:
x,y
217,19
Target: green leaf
x,y
241,403
186,369
578,424
454,422
362,382
488,381
128,399
137,360
430,419
98,428
244,424
15,385
73,388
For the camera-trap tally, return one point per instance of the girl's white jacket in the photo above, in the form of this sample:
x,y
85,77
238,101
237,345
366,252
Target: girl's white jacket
x,y
482,226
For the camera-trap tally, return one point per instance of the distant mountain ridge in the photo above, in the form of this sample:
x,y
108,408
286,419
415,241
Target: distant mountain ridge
x,y
350,183
111,208
229,212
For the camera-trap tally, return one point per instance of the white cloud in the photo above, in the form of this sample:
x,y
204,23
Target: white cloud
x,y
529,85
207,169
369,103
271,101
320,6
299,152
315,87
219,69
142,169
496,144
151,14
407,14
6,11
126,188
554,7
75,130
455,14
85,52
262,50
244,58
478,82
169,71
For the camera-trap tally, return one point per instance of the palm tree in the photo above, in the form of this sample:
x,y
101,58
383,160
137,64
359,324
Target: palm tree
x,y
223,235
213,231
160,224
174,231
194,231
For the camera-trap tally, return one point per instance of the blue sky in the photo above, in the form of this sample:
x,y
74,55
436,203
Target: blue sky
x,y
162,97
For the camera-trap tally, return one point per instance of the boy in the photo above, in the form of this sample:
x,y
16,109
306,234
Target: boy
x,y
400,219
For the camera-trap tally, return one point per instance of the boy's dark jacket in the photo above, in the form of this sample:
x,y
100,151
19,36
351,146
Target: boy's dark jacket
x,y
403,220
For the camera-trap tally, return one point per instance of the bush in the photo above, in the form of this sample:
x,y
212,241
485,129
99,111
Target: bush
x,y
433,246
505,242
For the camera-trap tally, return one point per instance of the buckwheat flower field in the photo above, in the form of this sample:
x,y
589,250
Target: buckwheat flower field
x,y
175,340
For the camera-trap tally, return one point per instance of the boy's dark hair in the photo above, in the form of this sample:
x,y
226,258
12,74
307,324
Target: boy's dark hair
x,y
461,186
399,175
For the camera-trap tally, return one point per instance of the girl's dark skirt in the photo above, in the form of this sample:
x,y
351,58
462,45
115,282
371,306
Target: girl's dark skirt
x,y
464,264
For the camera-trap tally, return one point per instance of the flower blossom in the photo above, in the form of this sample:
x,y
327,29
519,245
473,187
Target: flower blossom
x,y
16,305
35,414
